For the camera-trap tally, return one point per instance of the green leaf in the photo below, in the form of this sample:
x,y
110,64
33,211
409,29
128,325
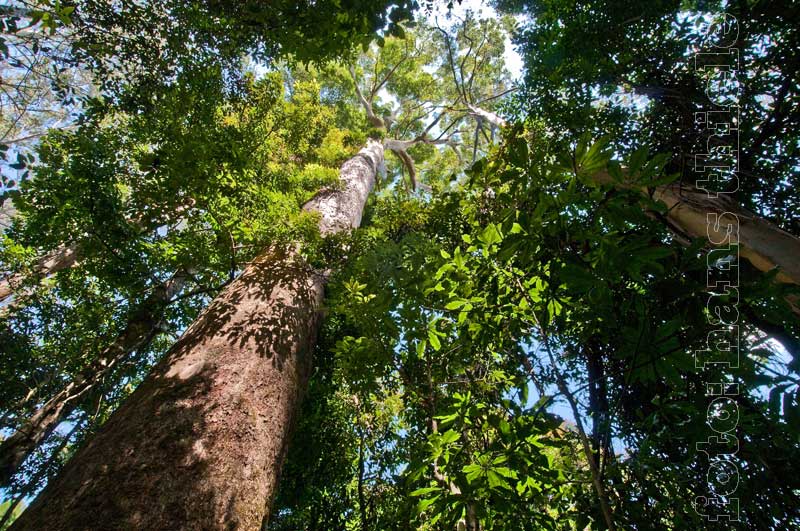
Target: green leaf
x,y
455,305
434,340
421,349
637,160
490,235
472,472
424,504
450,436
496,480
423,491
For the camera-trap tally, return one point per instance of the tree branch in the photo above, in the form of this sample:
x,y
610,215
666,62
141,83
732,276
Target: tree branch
x,y
371,116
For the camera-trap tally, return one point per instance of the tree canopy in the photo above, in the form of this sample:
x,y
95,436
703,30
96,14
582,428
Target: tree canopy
x,y
570,300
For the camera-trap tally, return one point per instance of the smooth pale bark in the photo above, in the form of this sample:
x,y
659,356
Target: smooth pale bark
x,y
63,257
760,242
763,244
141,328
490,117
692,212
372,118
200,443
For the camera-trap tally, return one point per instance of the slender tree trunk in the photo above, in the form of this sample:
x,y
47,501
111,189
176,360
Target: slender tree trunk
x,y
33,482
67,255
200,443
63,257
598,400
362,502
142,326
563,388
473,524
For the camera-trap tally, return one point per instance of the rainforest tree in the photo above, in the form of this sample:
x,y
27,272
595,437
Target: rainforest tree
x,y
323,266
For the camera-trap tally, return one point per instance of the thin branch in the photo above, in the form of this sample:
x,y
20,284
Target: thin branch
x,y
564,388
373,119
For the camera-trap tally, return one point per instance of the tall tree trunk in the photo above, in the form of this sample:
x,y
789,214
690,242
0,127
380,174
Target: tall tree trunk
x,y
763,244
598,400
200,443
142,326
62,257
691,212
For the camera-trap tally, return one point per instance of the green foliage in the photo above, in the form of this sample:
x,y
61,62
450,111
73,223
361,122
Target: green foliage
x,y
462,320
446,298
4,508
198,187
637,71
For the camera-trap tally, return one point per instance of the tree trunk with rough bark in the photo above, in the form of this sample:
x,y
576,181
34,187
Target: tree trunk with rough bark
x,y
141,328
200,443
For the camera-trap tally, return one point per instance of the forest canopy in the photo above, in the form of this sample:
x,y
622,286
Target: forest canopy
x,y
394,265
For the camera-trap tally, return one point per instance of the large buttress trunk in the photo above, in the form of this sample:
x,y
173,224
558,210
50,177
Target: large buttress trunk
x,y
200,443
142,326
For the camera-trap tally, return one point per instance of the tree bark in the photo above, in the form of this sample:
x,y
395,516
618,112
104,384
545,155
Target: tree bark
x,y
200,443
67,255
63,257
141,328
763,244
690,211
490,117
